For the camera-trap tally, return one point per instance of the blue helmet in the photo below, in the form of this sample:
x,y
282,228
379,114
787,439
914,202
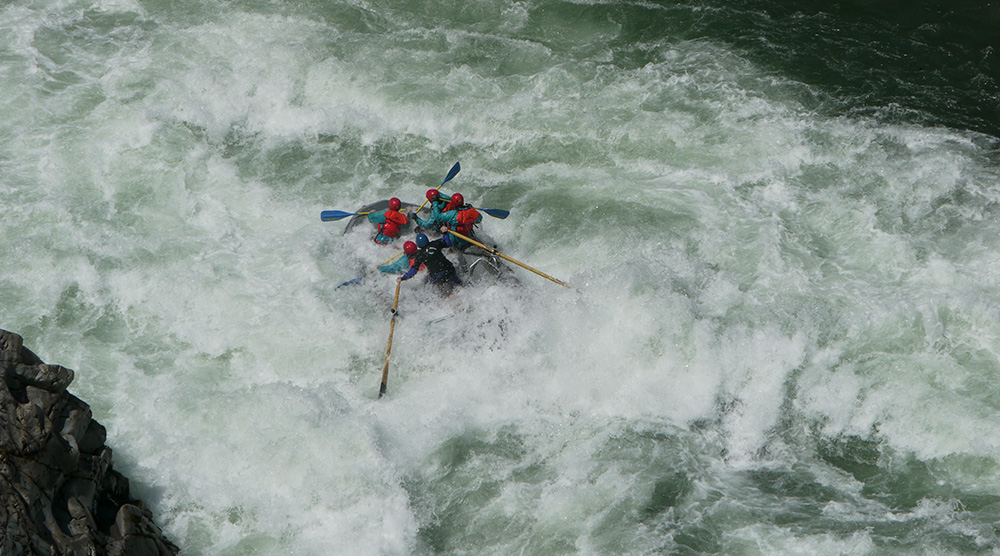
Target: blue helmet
x,y
422,241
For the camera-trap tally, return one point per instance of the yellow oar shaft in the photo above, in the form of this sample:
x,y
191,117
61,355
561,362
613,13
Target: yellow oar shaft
x,y
388,348
505,257
421,207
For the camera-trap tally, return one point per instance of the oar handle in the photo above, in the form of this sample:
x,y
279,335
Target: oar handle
x,y
505,257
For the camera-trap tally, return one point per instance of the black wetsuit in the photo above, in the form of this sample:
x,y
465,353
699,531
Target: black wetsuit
x,y
440,271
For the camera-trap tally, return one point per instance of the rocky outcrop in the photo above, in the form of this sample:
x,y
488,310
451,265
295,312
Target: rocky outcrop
x,y
59,493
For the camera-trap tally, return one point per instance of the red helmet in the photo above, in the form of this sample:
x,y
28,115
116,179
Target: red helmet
x,y
433,194
457,199
394,203
409,248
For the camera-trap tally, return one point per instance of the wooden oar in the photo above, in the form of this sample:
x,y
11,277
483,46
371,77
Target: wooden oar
x,y
388,348
505,257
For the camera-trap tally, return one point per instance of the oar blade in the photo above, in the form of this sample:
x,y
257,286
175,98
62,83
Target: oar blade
x,y
354,281
496,213
328,215
452,173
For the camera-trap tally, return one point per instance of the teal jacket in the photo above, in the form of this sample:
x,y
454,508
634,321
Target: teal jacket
x,y
434,220
399,266
450,219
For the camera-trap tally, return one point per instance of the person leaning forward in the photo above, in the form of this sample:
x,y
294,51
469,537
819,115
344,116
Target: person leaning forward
x,y
438,202
430,255
404,263
460,217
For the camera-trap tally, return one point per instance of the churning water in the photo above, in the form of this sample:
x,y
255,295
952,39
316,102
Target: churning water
x,y
780,225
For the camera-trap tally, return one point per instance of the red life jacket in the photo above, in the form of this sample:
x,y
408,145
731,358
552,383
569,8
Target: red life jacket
x,y
394,221
466,220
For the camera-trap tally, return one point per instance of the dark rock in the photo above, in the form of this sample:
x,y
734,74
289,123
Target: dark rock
x,y
59,492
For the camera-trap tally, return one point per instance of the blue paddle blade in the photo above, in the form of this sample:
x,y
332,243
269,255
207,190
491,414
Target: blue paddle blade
x,y
451,173
354,281
496,213
328,215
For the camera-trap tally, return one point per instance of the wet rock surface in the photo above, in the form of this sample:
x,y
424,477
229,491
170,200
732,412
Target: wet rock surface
x,y
59,492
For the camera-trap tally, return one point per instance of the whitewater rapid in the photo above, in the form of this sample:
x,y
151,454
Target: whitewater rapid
x,y
780,338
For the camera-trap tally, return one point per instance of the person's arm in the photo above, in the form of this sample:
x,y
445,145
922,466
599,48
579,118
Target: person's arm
x,y
434,216
443,241
429,223
417,262
377,217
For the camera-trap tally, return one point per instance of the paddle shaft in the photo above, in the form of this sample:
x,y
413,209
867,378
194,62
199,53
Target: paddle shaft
x,y
505,257
388,348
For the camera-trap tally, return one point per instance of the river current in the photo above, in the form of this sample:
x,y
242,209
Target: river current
x,y
779,222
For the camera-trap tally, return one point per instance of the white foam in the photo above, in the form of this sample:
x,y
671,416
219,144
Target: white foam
x,y
738,262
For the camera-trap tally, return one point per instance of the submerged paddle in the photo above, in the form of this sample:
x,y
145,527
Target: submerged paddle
x,y
392,326
505,257
365,275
